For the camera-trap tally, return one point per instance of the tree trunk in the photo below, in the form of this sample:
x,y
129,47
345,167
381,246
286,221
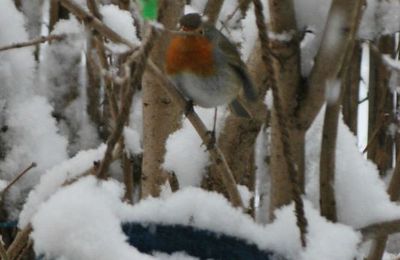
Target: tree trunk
x,y
286,65
160,114
351,85
212,10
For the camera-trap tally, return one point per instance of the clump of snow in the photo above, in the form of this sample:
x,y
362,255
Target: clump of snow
x,y
54,178
80,222
379,18
121,22
31,134
311,15
94,208
246,195
185,155
209,210
132,141
332,91
133,134
282,37
357,182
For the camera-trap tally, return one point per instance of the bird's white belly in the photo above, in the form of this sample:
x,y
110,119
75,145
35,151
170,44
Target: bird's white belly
x,y
208,91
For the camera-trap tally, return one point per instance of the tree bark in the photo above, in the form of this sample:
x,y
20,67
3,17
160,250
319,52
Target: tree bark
x,y
330,56
212,10
286,65
380,113
351,82
380,144
160,114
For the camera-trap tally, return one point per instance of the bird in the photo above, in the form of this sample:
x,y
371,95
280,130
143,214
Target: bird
x,y
206,66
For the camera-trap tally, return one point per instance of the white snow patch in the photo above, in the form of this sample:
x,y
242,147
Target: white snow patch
x,y
357,183
54,178
80,222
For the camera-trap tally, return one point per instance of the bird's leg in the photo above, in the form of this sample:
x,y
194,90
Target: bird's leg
x,y
213,138
189,107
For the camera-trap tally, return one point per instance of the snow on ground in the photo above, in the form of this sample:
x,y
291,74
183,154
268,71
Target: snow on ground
x,y
54,178
357,182
94,208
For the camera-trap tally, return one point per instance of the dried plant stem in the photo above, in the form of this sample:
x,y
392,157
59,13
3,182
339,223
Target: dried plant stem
x,y
381,229
3,252
41,39
91,21
19,176
19,243
293,174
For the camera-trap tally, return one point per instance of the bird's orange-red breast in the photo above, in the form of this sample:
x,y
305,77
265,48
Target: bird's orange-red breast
x,y
190,53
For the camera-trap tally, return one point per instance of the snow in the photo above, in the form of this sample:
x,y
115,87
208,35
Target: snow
x,y
32,135
357,182
311,15
54,178
380,18
246,195
185,155
122,23
85,213
332,91
94,208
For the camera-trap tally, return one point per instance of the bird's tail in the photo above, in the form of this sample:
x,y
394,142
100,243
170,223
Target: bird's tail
x,y
239,109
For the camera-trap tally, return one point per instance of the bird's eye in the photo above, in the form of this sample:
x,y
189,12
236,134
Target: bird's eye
x,y
201,31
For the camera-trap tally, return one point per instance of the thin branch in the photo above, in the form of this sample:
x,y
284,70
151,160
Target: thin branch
x,y
380,229
3,251
19,242
93,22
19,176
41,39
282,124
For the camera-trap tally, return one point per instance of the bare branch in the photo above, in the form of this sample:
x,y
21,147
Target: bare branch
x,y
19,176
42,39
19,243
380,229
93,22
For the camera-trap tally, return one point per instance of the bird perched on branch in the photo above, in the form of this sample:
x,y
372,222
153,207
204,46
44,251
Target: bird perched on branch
x,y
206,67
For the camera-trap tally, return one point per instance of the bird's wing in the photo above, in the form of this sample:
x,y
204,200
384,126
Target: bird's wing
x,y
234,60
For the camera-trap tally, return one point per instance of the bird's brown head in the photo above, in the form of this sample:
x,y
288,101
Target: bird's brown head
x,y
190,22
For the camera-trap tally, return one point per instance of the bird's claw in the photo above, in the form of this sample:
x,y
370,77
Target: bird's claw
x,y
211,141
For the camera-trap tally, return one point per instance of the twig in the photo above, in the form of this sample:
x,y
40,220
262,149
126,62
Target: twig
x,y
19,242
282,124
3,252
19,176
41,39
95,23
380,229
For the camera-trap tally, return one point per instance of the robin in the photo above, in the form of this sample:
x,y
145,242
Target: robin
x,y
206,67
